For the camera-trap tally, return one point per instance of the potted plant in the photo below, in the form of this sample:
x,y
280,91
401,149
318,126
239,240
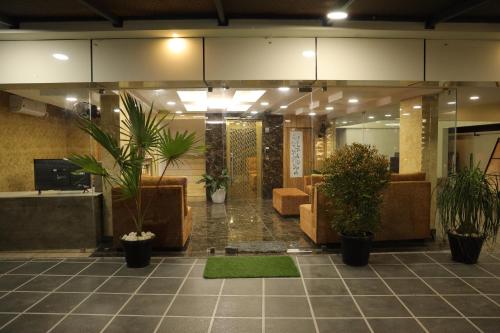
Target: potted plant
x,y
144,137
216,185
354,178
468,202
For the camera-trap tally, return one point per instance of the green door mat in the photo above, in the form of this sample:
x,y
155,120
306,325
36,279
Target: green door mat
x,y
250,267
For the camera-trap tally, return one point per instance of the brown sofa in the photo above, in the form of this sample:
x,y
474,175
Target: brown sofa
x,y
405,212
288,200
168,217
310,181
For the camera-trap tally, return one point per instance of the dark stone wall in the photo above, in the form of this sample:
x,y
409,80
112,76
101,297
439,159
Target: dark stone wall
x,y
272,154
215,140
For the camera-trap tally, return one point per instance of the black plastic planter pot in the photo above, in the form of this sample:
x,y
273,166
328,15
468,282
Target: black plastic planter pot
x,y
465,249
356,250
137,253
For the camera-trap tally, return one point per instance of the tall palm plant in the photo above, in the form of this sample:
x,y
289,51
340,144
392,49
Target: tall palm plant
x,y
144,135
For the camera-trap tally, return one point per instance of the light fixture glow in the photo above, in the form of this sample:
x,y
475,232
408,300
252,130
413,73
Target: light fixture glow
x,y
406,114
215,122
178,112
392,125
417,107
329,108
308,53
452,103
117,110
337,15
71,99
264,103
283,89
474,98
312,113
199,96
254,112
388,115
353,100
344,122
171,103
176,45
288,121
371,117
248,96
283,106
196,107
60,56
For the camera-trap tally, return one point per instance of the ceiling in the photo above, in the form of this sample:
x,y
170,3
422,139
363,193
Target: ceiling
x,y
431,12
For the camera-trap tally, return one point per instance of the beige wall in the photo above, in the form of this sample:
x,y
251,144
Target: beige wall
x,y
410,136
24,138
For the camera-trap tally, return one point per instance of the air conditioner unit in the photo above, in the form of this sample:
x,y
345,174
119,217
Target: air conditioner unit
x,y
18,104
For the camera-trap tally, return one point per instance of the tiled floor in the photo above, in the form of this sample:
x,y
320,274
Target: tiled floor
x,y
401,292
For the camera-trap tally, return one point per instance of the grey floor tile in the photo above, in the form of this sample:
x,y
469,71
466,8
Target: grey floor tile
x,y
429,306
408,287
485,285
290,306
201,287
392,271
284,287
367,287
10,282
449,286
58,303
342,325
66,268
83,283
6,266
356,272
81,259
334,306
197,271
474,306
33,268
18,302
81,324
172,270
44,283
492,268
239,306
289,326
380,258
441,257
102,304
464,270
161,286
488,325
121,285
193,306
447,325
126,271
240,325
406,325
384,306
132,324
430,270
325,287
314,260
101,268
184,325
120,260
242,287
5,318
147,305
336,258
31,323
485,258
177,260
319,271
414,258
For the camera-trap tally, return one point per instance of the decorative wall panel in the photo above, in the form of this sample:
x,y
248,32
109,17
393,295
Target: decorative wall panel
x,y
272,175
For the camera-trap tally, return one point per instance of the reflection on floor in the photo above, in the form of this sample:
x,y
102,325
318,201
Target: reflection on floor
x,y
399,292
250,225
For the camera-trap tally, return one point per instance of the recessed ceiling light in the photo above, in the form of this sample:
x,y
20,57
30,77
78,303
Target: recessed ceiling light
x,y
474,98
283,88
388,115
344,122
392,124
417,107
246,96
194,107
171,103
353,100
117,110
60,56
329,108
254,112
264,103
371,117
283,106
406,114
71,99
312,113
198,96
308,53
176,45
452,103
337,15
178,112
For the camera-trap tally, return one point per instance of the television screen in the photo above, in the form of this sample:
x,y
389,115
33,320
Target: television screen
x,y
59,174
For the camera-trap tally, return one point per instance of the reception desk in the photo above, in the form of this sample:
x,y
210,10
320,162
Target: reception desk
x,y
50,220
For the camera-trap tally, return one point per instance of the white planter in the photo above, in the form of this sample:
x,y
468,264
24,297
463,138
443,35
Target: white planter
x,y
219,196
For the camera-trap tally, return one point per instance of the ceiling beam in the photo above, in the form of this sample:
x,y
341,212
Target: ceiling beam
x,y
221,16
457,9
8,21
115,20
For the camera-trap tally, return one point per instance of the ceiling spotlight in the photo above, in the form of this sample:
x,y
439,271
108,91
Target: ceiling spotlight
x,y
344,122
178,112
312,113
417,107
171,103
371,117
329,108
264,103
176,45
60,56
353,100
406,114
308,53
283,106
71,99
337,15
452,103
283,88
388,115
117,110
474,98
254,112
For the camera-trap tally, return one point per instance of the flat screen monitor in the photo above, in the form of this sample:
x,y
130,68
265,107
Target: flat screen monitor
x,y
59,174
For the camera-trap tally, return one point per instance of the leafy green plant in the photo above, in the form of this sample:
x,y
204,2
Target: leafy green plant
x,y
213,183
355,176
144,135
468,202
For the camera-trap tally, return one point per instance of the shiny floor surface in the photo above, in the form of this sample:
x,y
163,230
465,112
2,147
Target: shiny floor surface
x,y
397,292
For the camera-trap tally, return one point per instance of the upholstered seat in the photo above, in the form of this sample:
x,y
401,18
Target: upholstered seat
x,y
288,200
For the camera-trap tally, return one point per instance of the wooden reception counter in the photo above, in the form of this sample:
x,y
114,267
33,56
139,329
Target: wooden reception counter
x,y
50,220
